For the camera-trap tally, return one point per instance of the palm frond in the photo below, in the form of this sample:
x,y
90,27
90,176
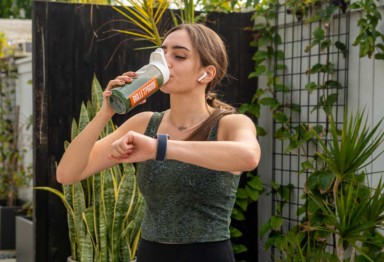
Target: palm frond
x,y
146,16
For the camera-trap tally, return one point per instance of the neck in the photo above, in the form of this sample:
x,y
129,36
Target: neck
x,y
185,107
187,121
186,114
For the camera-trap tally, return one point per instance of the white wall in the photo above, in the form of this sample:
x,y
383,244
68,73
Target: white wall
x,y
366,89
24,100
17,30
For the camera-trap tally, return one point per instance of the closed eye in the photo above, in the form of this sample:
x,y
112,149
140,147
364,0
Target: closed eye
x,y
179,57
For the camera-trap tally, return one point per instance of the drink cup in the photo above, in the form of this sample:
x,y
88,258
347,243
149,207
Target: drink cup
x,y
148,80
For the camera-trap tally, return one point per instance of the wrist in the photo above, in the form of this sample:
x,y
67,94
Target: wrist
x,y
103,115
162,143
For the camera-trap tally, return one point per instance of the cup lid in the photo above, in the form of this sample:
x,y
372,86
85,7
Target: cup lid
x,y
157,59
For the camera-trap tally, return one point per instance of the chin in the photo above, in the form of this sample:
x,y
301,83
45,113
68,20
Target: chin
x,y
164,89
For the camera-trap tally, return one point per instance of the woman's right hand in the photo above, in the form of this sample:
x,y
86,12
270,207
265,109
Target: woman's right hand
x,y
117,82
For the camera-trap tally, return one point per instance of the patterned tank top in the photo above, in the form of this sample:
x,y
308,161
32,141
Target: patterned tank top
x,y
185,203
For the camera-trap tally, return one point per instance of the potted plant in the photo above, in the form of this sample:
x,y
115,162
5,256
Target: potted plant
x,y
104,211
13,173
340,201
341,208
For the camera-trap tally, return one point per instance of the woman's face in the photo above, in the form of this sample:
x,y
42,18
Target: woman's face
x,y
183,62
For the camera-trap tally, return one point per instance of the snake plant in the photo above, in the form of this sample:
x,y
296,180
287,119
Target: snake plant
x,y
104,211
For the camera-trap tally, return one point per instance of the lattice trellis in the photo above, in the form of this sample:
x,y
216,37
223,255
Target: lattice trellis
x,y
296,36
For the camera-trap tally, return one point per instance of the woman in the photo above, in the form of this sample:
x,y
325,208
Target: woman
x,y
191,156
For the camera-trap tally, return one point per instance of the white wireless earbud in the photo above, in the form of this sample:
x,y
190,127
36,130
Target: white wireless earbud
x,y
202,76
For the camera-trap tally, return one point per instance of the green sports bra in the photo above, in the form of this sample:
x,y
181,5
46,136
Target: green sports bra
x,y
185,203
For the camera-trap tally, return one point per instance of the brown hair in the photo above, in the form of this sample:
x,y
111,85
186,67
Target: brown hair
x,y
211,50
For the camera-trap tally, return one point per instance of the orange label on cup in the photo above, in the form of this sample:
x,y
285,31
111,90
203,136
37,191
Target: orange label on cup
x,y
144,91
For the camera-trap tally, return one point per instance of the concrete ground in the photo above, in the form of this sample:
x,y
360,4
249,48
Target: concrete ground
x,y
6,255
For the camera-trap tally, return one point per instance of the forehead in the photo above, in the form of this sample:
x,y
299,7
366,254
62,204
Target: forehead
x,y
178,38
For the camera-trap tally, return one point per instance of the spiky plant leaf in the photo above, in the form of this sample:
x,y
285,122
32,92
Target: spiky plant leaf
x,y
91,203
146,16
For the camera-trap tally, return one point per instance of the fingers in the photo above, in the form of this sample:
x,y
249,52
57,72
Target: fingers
x,y
121,148
130,74
117,82
120,80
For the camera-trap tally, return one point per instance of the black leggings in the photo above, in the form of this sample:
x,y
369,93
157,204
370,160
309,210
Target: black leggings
x,y
220,251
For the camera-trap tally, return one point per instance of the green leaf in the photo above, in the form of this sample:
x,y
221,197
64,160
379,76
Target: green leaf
x,y
379,56
281,67
260,131
239,248
321,180
317,68
325,44
237,215
268,101
260,56
241,193
319,34
252,193
276,222
285,192
341,47
311,86
261,69
84,118
326,182
312,181
264,229
253,109
295,107
242,203
333,84
235,232
256,183
307,165
281,88
282,133
280,117
253,75
279,55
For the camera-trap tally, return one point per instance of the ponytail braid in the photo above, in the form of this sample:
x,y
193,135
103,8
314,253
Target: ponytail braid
x,y
221,109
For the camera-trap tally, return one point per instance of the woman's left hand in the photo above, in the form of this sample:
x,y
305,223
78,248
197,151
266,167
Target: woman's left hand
x,y
133,147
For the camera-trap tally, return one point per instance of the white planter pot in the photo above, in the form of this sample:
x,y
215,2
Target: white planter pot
x,y
24,239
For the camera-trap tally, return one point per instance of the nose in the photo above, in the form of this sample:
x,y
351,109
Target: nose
x,y
168,60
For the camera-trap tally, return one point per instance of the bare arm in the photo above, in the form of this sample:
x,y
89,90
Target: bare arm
x,y
236,150
86,155
76,158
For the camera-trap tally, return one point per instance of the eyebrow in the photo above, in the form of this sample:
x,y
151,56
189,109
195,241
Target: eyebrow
x,y
176,47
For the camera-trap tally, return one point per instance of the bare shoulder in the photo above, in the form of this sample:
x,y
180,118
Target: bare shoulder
x,y
236,120
232,125
137,123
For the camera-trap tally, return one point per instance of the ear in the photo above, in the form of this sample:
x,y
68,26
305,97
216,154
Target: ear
x,y
210,74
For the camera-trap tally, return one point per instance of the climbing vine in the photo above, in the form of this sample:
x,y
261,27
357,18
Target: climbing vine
x,y
325,187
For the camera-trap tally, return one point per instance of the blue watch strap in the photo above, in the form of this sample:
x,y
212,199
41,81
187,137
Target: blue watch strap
x,y
161,147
